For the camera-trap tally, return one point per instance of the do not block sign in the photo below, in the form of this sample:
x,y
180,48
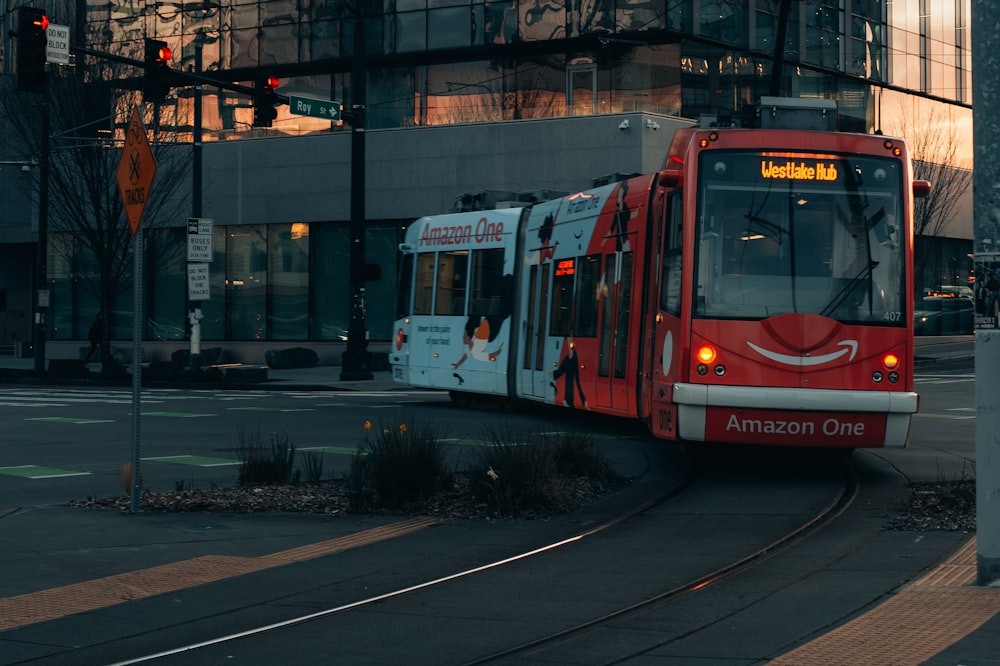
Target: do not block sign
x,y
198,287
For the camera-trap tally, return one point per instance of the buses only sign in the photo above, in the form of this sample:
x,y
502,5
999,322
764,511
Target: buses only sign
x,y
136,169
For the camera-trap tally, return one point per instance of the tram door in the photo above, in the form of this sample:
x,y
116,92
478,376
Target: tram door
x,y
612,363
532,364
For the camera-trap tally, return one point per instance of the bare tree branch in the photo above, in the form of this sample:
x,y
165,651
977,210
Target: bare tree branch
x,y
85,211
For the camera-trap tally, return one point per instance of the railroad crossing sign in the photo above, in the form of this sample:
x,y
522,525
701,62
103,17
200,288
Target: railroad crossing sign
x,y
136,169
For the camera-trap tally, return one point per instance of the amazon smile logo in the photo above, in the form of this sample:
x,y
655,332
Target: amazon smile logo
x,y
849,347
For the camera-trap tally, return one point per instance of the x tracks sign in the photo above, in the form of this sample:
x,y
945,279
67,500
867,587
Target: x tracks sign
x,y
136,169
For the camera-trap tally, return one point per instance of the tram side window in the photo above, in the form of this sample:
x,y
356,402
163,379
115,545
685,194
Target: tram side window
x,y
487,283
575,293
453,279
423,290
670,280
561,324
588,281
405,286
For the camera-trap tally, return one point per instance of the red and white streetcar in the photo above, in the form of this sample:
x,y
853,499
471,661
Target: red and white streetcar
x,y
756,290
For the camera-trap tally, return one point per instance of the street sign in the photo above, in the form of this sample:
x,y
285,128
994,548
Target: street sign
x,y
57,46
198,287
199,246
314,108
136,169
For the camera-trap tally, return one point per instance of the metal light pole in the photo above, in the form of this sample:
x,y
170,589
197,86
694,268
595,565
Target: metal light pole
x,y
356,361
42,248
986,204
195,316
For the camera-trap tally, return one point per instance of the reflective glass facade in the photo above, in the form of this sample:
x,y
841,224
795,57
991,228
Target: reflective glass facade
x,y
902,67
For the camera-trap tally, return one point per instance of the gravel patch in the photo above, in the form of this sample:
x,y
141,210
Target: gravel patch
x,y
331,498
944,505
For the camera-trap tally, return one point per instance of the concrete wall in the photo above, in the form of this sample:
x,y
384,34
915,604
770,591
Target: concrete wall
x,y
412,172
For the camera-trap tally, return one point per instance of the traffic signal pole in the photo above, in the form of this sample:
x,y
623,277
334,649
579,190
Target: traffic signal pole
x,y
356,361
42,246
986,203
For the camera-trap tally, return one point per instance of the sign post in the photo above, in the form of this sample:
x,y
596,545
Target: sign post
x,y
136,169
199,255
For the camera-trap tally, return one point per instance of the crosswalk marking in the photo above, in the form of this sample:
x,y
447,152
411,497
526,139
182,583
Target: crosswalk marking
x,y
344,450
38,472
270,409
198,461
177,415
70,419
953,417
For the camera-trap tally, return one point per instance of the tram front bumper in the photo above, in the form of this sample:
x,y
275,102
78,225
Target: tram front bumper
x,y
794,416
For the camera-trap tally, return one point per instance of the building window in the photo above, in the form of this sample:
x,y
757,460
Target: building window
x,y
246,288
288,288
166,280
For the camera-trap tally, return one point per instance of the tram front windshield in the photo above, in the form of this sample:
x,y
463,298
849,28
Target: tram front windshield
x,y
799,232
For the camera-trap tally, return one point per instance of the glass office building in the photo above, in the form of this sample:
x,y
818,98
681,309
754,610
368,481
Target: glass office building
x,y
900,67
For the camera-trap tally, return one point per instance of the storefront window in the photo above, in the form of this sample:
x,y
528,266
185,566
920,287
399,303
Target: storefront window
x,y
246,288
288,268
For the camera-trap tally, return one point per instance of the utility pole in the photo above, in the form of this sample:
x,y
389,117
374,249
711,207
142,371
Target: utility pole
x,y
42,248
780,30
195,316
986,204
356,361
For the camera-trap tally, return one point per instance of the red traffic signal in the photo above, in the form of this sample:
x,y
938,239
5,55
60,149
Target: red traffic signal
x,y
163,55
32,41
264,99
157,79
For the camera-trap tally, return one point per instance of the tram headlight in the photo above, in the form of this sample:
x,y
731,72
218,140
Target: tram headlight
x,y
893,377
706,354
890,361
877,377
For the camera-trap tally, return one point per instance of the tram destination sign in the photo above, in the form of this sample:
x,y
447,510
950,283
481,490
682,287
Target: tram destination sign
x,y
314,108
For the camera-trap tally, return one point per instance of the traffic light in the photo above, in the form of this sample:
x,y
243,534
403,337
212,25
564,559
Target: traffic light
x,y
264,99
156,82
32,40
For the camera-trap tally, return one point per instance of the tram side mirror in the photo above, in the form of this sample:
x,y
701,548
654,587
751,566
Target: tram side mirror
x,y
671,178
921,188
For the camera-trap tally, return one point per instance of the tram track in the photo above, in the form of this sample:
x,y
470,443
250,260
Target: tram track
x,y
457,582
837,505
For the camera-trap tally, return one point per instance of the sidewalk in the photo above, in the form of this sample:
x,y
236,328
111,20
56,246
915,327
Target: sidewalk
x,y
931,352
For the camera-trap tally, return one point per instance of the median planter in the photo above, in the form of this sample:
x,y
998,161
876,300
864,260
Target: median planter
x,y
296,357
68,368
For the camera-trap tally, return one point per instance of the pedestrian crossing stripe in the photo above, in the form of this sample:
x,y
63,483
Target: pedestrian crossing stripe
x,y
197,461
177,415
70,419
953,417
36,472
345,450
270,409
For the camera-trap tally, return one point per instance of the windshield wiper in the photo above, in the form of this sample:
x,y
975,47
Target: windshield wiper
x,y
851,286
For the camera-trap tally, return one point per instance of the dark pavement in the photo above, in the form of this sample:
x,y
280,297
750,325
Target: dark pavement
x,y
60,563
